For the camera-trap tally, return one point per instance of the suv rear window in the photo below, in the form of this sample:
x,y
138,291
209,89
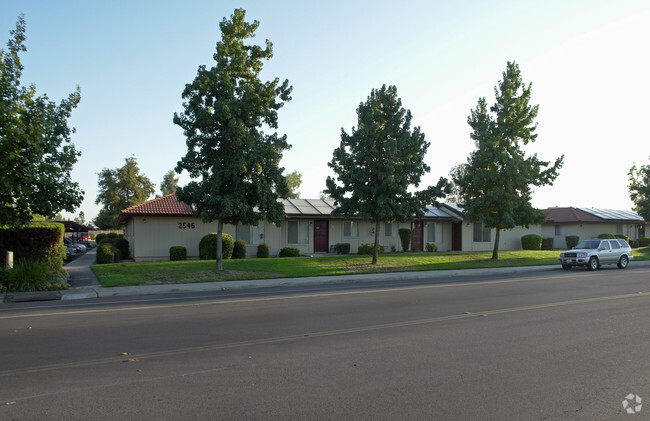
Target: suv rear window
x,y
623,243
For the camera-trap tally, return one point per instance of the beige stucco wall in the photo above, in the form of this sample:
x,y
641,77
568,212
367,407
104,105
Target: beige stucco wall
x,y
587,230
508,239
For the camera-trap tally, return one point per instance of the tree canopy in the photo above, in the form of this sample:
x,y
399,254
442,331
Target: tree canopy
x,y
294,180
119,189
169,183
495,184
226,109
36,152
639,189
377,164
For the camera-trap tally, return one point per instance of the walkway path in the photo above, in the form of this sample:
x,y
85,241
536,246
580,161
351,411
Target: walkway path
x,y
79,269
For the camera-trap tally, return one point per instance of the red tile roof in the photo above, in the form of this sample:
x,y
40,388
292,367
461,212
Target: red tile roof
x,y
164,206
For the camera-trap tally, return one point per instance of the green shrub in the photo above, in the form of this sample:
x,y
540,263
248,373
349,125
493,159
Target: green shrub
x,y
122,244
107,253
38,241
263,251
5,279
623,237
208,246
113,235
571,241
29,276
289,252
606,236
342,248
100,237
634,244
369,249
430,247
405,238
177,253
547,243
644,242
239,250
531,242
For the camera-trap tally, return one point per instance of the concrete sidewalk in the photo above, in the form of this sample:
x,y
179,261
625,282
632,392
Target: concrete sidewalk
x,y
207,287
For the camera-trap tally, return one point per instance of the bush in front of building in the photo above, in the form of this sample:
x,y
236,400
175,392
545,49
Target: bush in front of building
x,y
177,253
122,244
605,235
531,242
263,250
208,246
37,241
342,248
547,243
571,241
644,242
405,238
239,250
369,249
107,253
431,247
289,252
100,237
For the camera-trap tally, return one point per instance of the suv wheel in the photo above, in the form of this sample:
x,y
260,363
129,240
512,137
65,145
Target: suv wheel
x,y
593,263
623,261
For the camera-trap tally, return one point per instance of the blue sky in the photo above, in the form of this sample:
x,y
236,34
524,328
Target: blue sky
x,y
588,62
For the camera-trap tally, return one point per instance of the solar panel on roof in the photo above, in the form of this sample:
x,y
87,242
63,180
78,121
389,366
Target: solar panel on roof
x,y
613,214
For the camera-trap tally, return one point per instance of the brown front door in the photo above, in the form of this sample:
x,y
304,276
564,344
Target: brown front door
x,y
321,236
456,236
416,236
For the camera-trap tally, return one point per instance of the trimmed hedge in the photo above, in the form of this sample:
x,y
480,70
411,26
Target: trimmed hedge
x,y
431,247
369,249
239,250
38,241
208,246
623,237
99,237
107,253
605,235
289,252
405,238
547,243
644,242
263,251
342,248
177,253
531,242
571,241
122,244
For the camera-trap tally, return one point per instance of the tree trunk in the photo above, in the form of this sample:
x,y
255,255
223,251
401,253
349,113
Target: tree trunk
x,y
376,251
495,250
219,245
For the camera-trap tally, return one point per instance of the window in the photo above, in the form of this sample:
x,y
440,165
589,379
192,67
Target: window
x,y
604,245
298,232
350,229
431,232
558,230
482,234
250,234
390,229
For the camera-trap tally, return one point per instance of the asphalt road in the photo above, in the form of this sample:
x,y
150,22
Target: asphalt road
x,y
553,346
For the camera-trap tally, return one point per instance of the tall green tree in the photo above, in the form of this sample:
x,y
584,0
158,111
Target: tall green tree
x,y
119,189
639,189
169,183
36,153
378,163
495,183
294,180
226,109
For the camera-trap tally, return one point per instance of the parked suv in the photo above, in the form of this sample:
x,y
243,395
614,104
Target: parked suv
x,y
597,252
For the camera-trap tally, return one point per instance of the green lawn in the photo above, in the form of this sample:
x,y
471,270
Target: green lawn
x,y
190,271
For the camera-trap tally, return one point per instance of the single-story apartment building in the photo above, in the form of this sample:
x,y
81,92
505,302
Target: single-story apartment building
x,y
154,226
